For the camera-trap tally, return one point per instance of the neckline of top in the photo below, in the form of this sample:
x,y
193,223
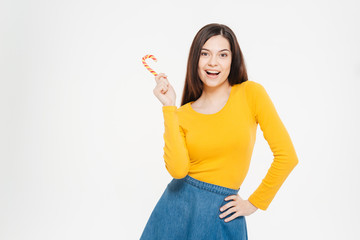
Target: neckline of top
x,y
218,112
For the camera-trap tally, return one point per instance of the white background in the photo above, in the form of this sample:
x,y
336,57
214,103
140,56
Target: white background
x,y
81,133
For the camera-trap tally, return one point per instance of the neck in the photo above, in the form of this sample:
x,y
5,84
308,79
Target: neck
x,y
216,94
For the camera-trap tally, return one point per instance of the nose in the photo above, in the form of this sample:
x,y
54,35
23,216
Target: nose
x,y
212,61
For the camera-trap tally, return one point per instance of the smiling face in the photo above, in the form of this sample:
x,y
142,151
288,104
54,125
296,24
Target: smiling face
x,y
215,61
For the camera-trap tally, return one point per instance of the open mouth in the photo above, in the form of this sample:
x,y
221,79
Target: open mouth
x,y
212,73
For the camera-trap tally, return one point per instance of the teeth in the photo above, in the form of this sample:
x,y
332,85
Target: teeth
x,y
212,72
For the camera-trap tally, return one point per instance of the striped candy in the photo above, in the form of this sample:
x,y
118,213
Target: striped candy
x,y
147,66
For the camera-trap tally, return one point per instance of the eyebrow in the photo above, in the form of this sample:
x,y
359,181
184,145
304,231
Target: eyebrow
x,y
219,51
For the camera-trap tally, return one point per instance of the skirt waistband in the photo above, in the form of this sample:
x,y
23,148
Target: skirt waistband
x,y
210,187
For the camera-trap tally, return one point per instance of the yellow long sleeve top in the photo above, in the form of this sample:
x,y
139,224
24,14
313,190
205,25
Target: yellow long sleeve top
x,y
217,148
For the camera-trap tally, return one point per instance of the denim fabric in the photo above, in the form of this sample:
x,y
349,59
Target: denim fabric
x,y
190,209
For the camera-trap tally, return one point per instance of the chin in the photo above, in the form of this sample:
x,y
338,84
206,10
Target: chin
x,y
213,83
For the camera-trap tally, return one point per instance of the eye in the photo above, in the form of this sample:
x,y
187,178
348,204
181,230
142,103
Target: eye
x,y
203,54
223,55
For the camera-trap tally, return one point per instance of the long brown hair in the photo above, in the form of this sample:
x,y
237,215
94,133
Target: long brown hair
x,y
193,85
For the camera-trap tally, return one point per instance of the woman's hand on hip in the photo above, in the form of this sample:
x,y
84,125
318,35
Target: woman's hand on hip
x,y
164,91
238,205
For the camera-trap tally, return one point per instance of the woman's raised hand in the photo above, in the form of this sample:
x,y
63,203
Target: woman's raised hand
x,y
164,91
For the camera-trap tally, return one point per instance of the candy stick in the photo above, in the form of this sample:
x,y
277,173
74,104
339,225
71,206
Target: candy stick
x,y
147,66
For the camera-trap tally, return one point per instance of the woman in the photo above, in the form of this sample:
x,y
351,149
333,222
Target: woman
x,y
209,142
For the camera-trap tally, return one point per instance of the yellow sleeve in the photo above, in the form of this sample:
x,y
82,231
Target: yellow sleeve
x,y
176,155
275,133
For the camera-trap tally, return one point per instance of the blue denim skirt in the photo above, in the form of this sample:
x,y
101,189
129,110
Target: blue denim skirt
x,y
190,209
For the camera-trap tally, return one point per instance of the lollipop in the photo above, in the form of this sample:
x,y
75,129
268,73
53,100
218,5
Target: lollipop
x,y
147,66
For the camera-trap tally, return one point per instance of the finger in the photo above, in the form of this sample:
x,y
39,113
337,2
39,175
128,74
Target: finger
x,y
226,206
160,85
165,81
164,89
159,76
163,84
230,197
224,214
235,215
161,88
